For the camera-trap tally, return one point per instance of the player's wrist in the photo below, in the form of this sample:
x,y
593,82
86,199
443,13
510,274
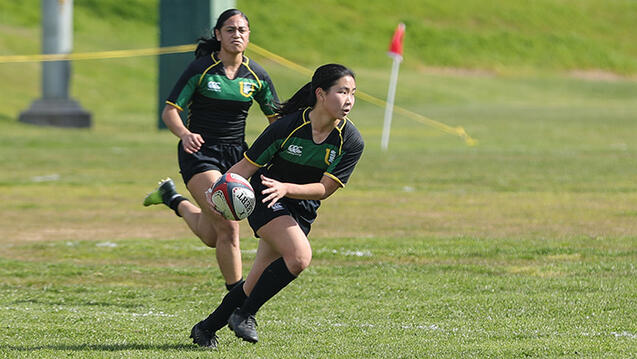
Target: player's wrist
x,y
184,133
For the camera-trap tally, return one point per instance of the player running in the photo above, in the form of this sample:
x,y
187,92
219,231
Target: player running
x,y
297,161
218,88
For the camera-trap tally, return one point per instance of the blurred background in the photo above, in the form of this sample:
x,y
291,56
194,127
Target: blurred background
x,y
489,249
545,87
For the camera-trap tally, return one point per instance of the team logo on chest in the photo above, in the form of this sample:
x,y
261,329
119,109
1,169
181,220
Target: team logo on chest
x,y
295,150
247,88
214,86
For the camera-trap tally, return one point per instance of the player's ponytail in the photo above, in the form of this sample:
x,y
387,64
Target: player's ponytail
x,y
324,77
208,45
303,98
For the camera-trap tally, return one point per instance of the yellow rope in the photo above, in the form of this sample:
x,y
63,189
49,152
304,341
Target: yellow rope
x,y
457,131
98,55
280,60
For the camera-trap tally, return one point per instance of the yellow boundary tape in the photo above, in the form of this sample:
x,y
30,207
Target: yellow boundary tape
x,y
457,131
98,55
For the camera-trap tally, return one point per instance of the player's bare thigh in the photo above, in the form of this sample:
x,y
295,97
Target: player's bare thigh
x,y
197,186
284,238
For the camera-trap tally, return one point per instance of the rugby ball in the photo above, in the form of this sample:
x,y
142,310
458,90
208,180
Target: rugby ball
x,y
233,196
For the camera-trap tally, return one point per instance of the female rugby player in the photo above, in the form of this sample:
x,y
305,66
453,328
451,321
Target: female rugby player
x,y
218,87
299,160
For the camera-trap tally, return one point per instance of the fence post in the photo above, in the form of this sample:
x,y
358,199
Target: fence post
x,y
182,22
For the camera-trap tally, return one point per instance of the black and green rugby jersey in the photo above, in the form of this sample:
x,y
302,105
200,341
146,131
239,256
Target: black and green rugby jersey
x,y
286,151
218,106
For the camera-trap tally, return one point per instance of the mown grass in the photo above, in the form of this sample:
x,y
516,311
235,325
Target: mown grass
x,y
522,246
374,297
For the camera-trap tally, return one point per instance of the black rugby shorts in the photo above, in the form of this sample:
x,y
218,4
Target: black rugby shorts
x,y
303,211
214,156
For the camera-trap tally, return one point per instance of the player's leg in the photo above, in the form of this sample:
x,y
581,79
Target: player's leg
x,y
206,329
284,252
165,193
195,215
281,237
213,230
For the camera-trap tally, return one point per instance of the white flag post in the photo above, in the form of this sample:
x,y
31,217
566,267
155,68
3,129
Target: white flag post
x,y
396,53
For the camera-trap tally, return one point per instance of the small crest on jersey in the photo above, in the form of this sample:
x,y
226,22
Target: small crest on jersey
x,y
214,86
247,88
295,150
330,155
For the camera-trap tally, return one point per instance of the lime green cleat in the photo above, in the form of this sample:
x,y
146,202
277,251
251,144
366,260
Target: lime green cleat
x,y
164,193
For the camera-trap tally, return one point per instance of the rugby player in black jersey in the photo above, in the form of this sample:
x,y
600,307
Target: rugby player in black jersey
x,y
299,160
218,88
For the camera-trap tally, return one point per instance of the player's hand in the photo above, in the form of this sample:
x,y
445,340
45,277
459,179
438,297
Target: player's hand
x,y
191,142
275,190
211,205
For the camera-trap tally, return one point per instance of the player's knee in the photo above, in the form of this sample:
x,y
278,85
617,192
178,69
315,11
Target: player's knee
x,y
296,264
225,228
228,239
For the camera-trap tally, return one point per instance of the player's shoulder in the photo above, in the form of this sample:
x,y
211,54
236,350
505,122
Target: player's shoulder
x,y
291,120
351,135
255,67
201,64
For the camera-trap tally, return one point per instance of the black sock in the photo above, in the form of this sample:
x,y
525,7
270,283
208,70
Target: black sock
x,y
230,286
219,318
274,278
174,203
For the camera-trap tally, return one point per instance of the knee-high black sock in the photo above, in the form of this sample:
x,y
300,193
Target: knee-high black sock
x,y
274,278
175,201
219,318
232,285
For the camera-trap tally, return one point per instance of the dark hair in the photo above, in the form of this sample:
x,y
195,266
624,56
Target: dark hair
x,y
208,45
324,77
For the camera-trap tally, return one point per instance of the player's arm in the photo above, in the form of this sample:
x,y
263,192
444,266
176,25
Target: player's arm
x,y
244,168
180,95
268,99
190,141
170,116
316,191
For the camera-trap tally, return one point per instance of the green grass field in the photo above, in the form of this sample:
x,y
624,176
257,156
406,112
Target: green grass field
x,y
521,246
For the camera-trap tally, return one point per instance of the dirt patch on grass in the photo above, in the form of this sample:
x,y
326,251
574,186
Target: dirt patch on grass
x,y
601,75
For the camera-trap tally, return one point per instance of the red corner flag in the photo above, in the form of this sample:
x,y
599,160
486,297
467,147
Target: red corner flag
x,y
396,45
396,53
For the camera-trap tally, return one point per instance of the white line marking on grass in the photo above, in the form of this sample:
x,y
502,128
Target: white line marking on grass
x,y
624,334
150,314
46,178
619,146
432,327
358,253
346,253
106,244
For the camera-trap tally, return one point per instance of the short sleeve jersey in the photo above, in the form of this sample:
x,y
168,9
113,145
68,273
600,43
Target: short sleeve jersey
x,y
287,152
218,107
